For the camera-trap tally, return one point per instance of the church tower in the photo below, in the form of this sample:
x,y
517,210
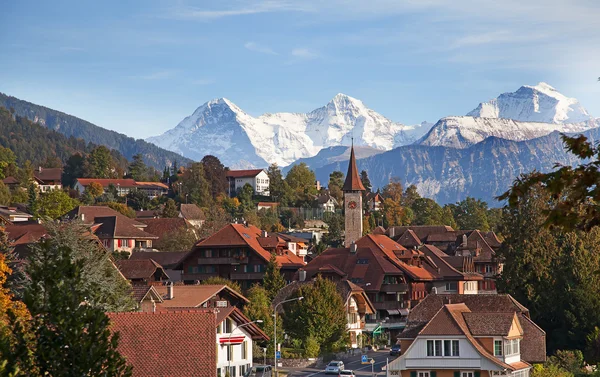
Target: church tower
x,y
353,205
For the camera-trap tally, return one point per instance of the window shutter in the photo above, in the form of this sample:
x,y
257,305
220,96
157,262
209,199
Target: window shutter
x,y
413,373
433,373
477,374
456,374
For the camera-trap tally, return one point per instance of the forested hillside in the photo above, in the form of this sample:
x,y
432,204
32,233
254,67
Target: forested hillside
x,y
69,125
30,141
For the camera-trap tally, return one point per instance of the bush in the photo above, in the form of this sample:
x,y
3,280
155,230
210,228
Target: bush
x,y
311,347
292,353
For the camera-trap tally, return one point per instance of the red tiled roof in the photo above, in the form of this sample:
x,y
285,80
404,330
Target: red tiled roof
x,y
139,269
244,173
192,212
139,292
167,259
190,296
10,181
25,234
157,185
105,182
481,324
48,174
174,343
163,226
91,212
353,182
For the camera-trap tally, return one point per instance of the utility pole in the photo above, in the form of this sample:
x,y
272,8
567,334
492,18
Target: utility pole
x,y
230,356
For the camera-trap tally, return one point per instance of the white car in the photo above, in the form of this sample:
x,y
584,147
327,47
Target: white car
x,y
334,367
346,373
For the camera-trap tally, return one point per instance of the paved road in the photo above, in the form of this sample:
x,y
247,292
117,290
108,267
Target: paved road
x,y
354,363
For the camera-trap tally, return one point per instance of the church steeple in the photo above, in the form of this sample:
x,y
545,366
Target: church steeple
x,y
353,182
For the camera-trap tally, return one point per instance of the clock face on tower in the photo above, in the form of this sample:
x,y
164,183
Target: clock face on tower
x,y
352,204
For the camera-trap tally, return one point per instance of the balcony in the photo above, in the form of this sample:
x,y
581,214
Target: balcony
x,y
247,276
385,305
224,260
194,277
394,288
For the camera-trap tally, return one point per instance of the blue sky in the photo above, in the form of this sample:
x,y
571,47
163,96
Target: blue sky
x,y
140,67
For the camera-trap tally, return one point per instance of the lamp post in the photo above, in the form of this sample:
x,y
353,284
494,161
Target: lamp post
x,y
229,342
275,328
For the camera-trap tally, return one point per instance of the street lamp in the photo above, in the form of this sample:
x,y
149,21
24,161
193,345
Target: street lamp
x,y
275,328
229,342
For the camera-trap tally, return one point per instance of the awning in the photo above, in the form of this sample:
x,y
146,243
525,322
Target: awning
x,y
393,311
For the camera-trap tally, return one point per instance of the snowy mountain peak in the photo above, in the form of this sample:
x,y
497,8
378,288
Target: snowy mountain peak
x,y
539,103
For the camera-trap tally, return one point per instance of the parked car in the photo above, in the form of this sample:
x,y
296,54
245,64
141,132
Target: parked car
x,y
259,371
346,372
395,351
334,367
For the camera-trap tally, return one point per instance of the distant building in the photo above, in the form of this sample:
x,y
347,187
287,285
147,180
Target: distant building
x,y
257,178
142,271
48,178
192,214
267,205
353,207
374,201
152,189
124,186
167,259
11,215
326,202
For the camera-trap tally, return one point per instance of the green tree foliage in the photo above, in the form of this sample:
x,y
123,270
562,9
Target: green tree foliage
x,y
269,220
244,195
55,203
170,210
32,200
551,272
7,157
320,315
71,331
273,279
471,213
74,168
100,164
121,208
276,183
549,370
138,169
364,178
410,195
569,360
215,173
336,182
217,280
138,200
301,181
335,231
427,212
19,196
177,240
195,184
5,197
259,307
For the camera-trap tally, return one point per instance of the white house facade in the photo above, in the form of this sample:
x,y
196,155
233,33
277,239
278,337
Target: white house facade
x,y
257,178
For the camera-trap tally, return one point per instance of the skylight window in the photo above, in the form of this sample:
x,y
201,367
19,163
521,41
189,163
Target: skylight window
x,y
246,235
383,247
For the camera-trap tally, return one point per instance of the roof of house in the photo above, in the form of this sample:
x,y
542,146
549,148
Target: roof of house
x,y
149,214
88,213
119,227
191,212
533,345
325,198
190,296
445,268
139,269
481,324
48,174
152,185
140,292
374,196
290,238
244,173
248,235
163,226
105,182
168,343
421,231
7,212
10,181
167,259
409,239
352,182
21,236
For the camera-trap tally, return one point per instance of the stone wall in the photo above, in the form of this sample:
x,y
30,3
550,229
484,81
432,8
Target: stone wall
x,y
290,363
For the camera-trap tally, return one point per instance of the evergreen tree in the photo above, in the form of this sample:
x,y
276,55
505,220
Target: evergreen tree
x,y
170,210
215,173
273,279
276,183
72,336
100,164
138,169
471,213
73,169
410,195
32,201
5,197
245,197
364,178
259,307
196,186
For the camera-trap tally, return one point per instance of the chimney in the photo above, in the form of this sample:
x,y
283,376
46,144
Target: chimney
x,y
82,217
392,232
264,233
170,294
353,248
40,169
302,275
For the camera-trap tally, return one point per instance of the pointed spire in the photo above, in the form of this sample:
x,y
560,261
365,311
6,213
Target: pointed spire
x,y
353,182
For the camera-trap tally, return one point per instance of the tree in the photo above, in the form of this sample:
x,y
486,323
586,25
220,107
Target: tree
x,y
276,182
259,307
592,347
138,169
393,190
394,214
320,315
121,208
335,231
181,239
427,212
216,219
100,164
364,178
138,200
4,194
95,189
7,157
245,197
549,370
301,181
55,203
52,162
336,182
218,280
574,190
170,210
216,175
73,169
273,279
32,200
471,213
410,195
72,335
269,220
196,186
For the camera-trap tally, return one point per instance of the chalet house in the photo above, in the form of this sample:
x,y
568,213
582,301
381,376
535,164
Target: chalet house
x,y
296,245
11,215
257,178
326,202
234,345
48,178
146,297
167,259
469,335
356,301
374,201
240,253
142,271
457,245
186,339
192,214
21,236
117,232
11,182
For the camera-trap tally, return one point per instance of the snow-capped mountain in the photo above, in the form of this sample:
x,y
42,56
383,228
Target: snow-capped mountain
x,y
528,113
540,103
221,128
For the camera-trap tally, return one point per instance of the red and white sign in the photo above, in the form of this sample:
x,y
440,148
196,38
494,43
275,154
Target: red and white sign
x,y
232,340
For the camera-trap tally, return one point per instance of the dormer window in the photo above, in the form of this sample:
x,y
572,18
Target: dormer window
x,y
512,347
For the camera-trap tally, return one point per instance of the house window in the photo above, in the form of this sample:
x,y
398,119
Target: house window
x,y
450,348
229,353
466,374
422,374
497,348
451,286
244,350
489,269
521,373
512,347
228,325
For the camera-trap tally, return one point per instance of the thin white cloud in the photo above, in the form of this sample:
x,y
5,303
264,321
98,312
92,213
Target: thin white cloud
x,y
240,9
253,46
304,53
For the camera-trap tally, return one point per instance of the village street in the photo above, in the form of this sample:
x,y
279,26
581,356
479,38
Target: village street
x,y
351,363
